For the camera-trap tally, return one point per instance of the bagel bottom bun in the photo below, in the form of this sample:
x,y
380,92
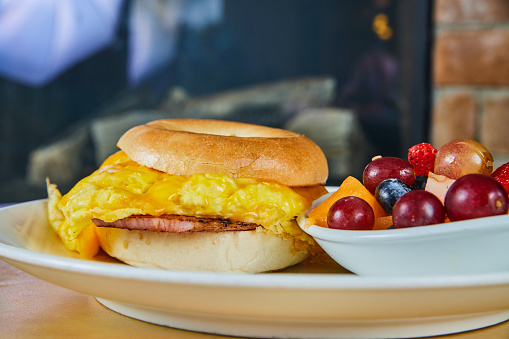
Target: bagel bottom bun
x,y
237,251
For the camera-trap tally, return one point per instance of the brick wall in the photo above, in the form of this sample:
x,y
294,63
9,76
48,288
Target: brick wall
x,y
471,73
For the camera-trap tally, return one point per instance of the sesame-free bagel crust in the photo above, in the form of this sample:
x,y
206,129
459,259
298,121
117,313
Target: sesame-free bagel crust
x,y
189,146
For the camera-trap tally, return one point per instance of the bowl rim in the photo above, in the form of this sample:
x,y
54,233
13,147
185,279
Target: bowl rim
x,y
450,229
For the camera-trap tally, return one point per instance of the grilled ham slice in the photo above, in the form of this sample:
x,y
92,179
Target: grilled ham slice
x,y
176,224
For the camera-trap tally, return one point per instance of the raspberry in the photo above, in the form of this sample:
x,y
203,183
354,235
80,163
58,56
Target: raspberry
x,y
422,158
501,175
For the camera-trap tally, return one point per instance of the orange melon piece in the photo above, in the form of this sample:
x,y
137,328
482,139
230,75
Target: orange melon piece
x,y
383,223
349,187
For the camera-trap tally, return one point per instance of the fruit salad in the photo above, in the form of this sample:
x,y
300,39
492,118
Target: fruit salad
x,y
455,182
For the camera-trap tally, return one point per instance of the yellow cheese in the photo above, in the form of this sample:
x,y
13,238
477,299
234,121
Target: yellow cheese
x,y
121,188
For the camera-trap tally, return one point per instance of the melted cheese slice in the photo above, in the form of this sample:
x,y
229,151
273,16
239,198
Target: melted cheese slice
x,y
121,188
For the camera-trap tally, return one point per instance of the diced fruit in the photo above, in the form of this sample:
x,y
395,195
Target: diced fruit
x,y
418,208
389,191
387,168
351,213
396,193
501,174
475,196
463,156
383,223
422,158
420,182
349,187
438,185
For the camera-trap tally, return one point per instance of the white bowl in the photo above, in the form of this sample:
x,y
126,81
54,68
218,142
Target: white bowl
x,y
462,247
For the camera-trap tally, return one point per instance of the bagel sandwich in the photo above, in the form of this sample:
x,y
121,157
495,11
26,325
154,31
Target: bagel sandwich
x,y
196,195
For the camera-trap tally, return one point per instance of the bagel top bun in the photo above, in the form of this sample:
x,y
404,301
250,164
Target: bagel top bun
x,y
188,146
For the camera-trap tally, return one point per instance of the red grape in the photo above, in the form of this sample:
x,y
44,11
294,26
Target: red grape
x,y
475,196
351,213
387,168
417,208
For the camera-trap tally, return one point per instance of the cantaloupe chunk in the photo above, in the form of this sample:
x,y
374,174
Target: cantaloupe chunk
x,y
383,223
349,187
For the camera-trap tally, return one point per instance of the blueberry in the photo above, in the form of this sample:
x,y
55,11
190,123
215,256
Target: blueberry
x,y
389,191
420,182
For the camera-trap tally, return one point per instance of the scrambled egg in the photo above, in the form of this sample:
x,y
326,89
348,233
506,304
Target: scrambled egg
x,y
121,188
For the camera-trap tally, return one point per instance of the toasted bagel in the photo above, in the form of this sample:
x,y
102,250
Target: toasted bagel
x,y
188,146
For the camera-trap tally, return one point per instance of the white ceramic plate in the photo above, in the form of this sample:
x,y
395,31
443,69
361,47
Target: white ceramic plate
x,y
311,300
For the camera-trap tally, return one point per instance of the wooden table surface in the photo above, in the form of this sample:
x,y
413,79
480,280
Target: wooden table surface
x,y
33,308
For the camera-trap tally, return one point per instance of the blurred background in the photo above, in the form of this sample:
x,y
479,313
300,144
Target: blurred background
x,y
360,78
